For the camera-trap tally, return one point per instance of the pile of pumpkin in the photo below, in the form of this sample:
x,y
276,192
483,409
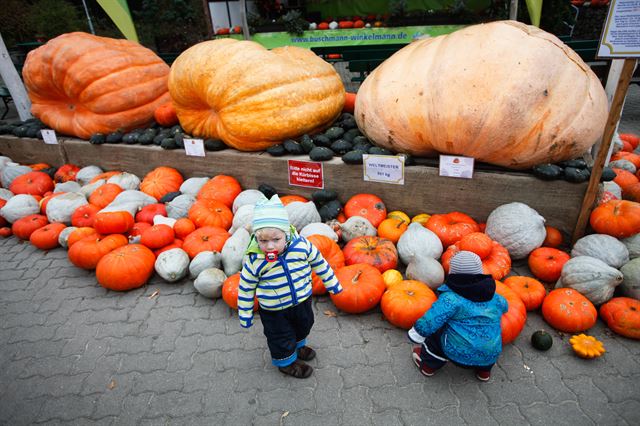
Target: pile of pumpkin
x,y
126,228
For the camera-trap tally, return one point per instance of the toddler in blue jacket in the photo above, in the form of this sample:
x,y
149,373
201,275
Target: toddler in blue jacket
x,y
463,325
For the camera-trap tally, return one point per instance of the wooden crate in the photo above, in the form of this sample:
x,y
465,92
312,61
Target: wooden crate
x,y
424,190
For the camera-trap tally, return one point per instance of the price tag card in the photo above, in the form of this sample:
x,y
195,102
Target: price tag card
x,y
456,166
49,136
194,147
383,168
305,173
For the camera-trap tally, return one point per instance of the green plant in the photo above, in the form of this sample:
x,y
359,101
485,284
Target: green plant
x,y
294,23
50,18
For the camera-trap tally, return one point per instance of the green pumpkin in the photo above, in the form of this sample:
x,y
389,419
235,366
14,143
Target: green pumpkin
x,y
541,340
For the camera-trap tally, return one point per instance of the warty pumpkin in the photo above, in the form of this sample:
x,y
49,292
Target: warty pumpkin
x,y
622,315
80,84
251,97
504,93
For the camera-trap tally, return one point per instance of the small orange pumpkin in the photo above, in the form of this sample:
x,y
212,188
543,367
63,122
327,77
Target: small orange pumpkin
x,y
567,310
32,183
87,252
622,315
618,218
66,173
222,188
496,263
546,263
210,212
79,234
208,238
512,321
104,194
148,212
157,236
46,238
405,302
554,237
530,290
230,292
368,206
286,199
113,222
24,227
84,215
183,227
392,229
161,181
165,115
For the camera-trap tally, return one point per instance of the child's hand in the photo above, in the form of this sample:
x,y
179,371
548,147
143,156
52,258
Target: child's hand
x,y
415,337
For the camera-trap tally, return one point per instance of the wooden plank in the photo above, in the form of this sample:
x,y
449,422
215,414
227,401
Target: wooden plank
x,y
30,151
424,190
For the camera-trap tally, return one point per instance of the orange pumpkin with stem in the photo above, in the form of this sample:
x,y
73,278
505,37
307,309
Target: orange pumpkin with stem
x,y
5,232
286,199
24,227
368,206
618,218
84,215
405,302
362,286
148,212
161,181
377,252
210,212
183,227
624,178
332,253
46,238
79,234
66,172
222,188
33,183
118,222
546,263
622,315
530,290
126,267
208,238
104,194
87,252
565,309
105,176
392,229
451,227
157,236
512,321
230,292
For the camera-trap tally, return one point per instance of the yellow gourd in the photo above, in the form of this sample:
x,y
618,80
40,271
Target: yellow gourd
x,y
587,346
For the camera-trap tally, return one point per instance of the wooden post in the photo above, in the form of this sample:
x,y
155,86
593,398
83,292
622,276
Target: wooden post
x,y
609,129
207,15
14,83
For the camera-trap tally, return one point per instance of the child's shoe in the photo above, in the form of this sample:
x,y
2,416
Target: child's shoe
x,y
305,353
483,376
298,369
417,360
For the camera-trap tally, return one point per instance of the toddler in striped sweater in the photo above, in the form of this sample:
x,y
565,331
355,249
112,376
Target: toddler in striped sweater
x,y
277,269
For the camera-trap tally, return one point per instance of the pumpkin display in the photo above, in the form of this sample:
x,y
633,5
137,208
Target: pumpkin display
x,y
104,195
512,321
451,227
80,84
546,263
517,227
34,183
23,228
622,315
251,97
586,346
126,267
161,181
618,218
46,237
495,258
404,303
590,276
369,206
506,93
567,310
362,288
332,253
207,238
530,291
378,252
87,252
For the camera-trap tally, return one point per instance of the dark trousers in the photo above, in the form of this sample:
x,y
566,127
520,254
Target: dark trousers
x,y
286,331
433,356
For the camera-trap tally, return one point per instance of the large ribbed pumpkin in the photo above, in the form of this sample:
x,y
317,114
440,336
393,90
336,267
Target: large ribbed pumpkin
x,y
80,84
251,97
504,93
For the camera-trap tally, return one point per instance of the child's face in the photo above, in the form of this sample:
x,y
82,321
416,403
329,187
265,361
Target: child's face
x,y
271,239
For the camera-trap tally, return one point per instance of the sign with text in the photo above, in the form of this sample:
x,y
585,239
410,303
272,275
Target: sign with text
x,y
383,168
194,147
621,34
49,136
456,166
305,173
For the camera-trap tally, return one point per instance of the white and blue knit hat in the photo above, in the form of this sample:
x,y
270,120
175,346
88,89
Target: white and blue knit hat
x,y
465,262
271,214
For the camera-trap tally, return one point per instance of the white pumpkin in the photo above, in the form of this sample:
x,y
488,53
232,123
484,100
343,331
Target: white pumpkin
x,y
243,218
590,276
61,207
3,162
19,206
301,214
357,226
193,185
518,227
631,282
69,186
125,181
233,251
248,196
130,201
88,189
612,188
604,247
204,260
172,265
179,206
624,165
5,194
63,238
425,269
418,241
633,246
12,171
319,229
209,283
86,174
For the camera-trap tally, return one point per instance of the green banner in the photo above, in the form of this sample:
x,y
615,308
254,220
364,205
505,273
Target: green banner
x,y
535,10
118,11
351,37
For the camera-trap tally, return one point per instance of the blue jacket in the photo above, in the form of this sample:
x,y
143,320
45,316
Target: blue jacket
x,y
469,311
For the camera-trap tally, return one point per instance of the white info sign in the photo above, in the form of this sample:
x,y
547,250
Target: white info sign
x,y
621,34
456,166
383,168
49,136
194,147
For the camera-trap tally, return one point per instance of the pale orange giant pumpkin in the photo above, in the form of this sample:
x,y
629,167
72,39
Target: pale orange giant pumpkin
x,y
504,93
80,84
251,97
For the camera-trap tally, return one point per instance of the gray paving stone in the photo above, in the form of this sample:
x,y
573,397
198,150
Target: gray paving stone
x,y
109,400
158,382
166,341
366,375
67,408
593,402
143,362
134,408
220,399
617,388
447,415
282,400
328,391
388,418
303,417
507,414
540,413
100,377
175,404
628,410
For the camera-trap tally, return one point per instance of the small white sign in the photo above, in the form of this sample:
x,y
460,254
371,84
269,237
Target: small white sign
x,y
621,34
49,136
194,147
456,166
383,168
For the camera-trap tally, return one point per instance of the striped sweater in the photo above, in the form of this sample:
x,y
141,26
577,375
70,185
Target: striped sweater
x,y
283,283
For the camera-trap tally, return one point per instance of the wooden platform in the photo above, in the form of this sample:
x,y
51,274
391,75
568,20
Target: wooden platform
x,y
424,190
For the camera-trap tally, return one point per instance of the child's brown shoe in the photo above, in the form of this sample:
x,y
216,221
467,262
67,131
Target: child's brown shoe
x,y
305,353
298,369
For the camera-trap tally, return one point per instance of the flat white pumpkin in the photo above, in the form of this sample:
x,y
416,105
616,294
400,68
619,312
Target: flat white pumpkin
x,y
418,241
69,186
19,206
590,276
518,227
172,265
61,207
248,196
125,181
179,206
86,174
427,270
209,283
319,229
193,185
204,260
604,247
301,214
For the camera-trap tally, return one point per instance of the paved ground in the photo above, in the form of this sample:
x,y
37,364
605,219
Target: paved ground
x,y
74,353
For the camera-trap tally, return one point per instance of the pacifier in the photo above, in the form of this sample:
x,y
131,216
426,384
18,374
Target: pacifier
x,y
271,256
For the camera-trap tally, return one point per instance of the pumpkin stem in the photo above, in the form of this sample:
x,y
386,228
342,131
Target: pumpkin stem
x,y
356,276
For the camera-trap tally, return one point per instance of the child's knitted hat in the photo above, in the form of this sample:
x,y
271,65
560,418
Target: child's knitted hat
x,y
465,262
270,214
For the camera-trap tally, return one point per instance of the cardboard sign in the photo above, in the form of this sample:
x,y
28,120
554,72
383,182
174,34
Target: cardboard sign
x,y
194,147
456,166
306,173
49,136
383,168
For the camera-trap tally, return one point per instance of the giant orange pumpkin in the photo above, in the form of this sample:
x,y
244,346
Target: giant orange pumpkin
x,y
251,97
80,84
503,92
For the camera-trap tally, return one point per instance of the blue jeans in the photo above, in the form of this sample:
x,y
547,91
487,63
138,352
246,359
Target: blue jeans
x,y
433,356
